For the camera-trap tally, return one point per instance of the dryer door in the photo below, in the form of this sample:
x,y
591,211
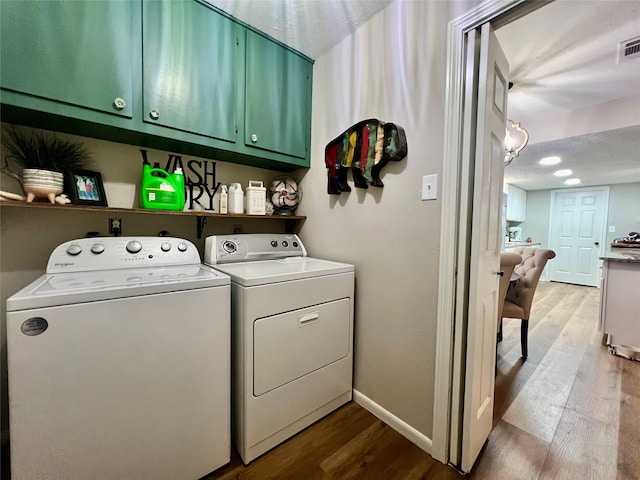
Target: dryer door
x,y
291,345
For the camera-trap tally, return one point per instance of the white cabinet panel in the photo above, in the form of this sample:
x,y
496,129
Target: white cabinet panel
x,y
516,204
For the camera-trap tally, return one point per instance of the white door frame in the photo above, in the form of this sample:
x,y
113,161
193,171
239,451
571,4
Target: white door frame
x,y
453,237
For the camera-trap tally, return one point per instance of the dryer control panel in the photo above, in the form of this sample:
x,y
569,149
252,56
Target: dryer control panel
x,y
251,247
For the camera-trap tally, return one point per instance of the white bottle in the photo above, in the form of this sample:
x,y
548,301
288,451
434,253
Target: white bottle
x,y
223,199
255,198
236,199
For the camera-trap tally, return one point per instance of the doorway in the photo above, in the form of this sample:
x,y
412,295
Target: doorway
x,y
454,293
576,233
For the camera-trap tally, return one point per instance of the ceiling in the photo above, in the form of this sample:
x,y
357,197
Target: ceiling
x,y
557,66
303,24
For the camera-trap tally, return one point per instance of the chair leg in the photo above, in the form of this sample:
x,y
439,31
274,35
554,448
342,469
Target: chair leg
x,y
524,328
500,332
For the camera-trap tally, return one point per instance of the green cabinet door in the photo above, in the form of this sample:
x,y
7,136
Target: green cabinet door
x,y
74,52
190,71
277,96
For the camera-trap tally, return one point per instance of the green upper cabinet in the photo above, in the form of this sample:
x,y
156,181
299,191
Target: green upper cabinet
x,y
190,73
277,99
77,53
175,75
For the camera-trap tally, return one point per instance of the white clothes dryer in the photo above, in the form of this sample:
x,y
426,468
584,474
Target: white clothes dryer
x,y
292,336
119,363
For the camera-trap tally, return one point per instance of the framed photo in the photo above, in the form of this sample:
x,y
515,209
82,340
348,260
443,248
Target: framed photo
x,y
84,187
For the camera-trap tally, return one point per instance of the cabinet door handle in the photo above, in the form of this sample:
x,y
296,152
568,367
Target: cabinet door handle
x,y
119,103
596,243
308,318
155,114
500,274
254,137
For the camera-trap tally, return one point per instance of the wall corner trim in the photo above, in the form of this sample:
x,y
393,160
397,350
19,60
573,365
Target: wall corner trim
x,y
414,436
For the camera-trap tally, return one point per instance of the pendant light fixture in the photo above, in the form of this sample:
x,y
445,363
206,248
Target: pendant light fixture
x,y
515,140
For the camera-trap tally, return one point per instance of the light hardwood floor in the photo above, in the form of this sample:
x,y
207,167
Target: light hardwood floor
x,y
571,411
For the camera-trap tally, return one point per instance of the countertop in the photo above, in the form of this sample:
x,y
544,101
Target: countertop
x,y
622,254
510,245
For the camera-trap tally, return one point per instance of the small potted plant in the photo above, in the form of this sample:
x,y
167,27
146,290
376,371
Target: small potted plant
x,y
44,158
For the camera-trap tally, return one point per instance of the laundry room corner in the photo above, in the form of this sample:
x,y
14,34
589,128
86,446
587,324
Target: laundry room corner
x,y
28,236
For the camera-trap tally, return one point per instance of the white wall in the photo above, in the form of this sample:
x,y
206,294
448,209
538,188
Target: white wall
x,y
393,69
27,236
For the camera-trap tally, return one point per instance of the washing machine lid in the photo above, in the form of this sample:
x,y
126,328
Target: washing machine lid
x,y
55,289
249,274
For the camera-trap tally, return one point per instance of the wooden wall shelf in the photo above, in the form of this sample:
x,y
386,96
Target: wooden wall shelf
x,y
291,221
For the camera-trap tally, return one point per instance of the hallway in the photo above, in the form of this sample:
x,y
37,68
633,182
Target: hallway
x,y
571,410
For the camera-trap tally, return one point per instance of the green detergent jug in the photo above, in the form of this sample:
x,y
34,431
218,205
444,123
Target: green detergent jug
x,y
161,190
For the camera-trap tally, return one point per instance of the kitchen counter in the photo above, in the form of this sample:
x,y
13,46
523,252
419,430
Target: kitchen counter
x,y
511,245
622,254
620,299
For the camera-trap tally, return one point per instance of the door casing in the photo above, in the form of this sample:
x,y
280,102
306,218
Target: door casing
x,y
454,237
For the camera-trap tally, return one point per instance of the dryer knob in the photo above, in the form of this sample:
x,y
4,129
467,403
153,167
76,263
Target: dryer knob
x,y
74,249
182,247
165,247
274,243
134,246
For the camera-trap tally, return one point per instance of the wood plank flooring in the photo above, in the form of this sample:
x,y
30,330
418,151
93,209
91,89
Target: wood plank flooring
x,y
571,411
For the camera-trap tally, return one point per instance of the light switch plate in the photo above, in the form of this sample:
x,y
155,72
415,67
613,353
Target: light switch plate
x,y
430,187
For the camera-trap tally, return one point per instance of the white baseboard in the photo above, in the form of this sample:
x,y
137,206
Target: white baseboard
x,y
414,436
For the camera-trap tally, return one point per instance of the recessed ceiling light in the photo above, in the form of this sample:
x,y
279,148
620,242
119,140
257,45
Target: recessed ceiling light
x,y
572,181
550,161
562,173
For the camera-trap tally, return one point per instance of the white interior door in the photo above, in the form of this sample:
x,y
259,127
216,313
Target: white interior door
x,y
484,259
577,233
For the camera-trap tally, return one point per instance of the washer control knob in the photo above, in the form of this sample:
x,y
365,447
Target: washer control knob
x,y
229,246
74,249
97,248
134,246
285,243
295,244
165,247
274,243
182,247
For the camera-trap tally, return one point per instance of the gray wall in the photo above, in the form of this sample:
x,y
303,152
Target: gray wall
x,y
624,212
393,69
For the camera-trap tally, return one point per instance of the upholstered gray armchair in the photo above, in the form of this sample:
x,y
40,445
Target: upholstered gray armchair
x,y
519,297
508,261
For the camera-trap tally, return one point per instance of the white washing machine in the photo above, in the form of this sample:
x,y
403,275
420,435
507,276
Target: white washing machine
x,y
292,336
119,363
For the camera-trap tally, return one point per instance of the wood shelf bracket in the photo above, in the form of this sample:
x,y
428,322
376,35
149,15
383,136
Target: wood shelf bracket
x,y
201,222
